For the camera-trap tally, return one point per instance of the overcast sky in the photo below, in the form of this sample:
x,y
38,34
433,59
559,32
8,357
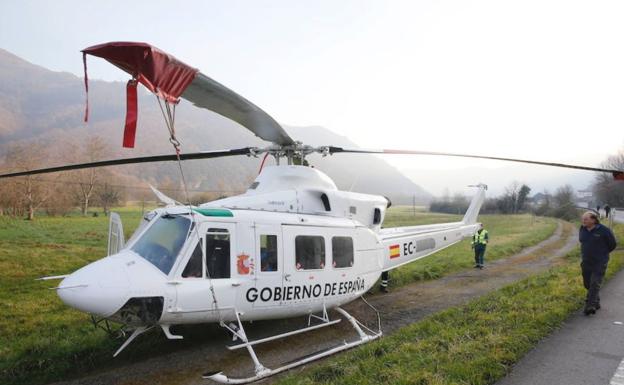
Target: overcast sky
x,y
531,79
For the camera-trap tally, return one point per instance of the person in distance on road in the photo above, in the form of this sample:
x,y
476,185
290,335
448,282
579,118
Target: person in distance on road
x,y
479,242
607,210
597,241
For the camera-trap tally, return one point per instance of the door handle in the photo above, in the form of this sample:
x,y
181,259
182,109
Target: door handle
x,y
235,284
287,277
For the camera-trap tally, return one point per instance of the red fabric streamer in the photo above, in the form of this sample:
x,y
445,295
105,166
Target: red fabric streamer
x,y
86,82
159,71
262,164
131,114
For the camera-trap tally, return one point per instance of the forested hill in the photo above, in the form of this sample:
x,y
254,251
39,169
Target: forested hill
x,y
39,105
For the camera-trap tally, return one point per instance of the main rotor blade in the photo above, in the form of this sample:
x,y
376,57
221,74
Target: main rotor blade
x,y
206,93
617,174
142,159
170,78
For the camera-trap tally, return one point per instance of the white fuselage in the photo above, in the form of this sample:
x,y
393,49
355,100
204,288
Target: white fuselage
x,y
292,245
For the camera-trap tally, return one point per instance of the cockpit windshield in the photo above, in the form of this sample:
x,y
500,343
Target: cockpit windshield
x,y
162,241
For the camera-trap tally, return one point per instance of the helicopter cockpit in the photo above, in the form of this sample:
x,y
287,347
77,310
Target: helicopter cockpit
x,y
162,243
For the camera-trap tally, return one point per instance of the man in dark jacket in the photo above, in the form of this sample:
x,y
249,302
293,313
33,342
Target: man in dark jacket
x,y
597,241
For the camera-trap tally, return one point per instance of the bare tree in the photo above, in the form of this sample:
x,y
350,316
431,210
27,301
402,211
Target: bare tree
x,y
28,192
607,190
107,195
95,149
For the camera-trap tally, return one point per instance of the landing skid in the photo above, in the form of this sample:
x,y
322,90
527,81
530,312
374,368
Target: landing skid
x,y
262,372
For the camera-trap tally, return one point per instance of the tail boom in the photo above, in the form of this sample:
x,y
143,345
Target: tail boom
x,y
407,244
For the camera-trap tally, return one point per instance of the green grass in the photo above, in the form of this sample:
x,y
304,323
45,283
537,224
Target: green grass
x,y
475,344
43,340
508,235
40,337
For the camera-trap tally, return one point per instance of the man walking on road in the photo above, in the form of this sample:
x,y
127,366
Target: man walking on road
x,y
597,241
479,243
607,210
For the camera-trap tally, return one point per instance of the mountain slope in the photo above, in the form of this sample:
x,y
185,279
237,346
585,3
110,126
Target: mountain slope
x,y
37,104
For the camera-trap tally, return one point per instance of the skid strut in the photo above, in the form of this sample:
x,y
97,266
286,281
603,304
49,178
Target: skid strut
x,y
262,372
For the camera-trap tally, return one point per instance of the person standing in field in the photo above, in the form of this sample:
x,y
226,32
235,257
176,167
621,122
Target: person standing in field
x,y
479,243
597,241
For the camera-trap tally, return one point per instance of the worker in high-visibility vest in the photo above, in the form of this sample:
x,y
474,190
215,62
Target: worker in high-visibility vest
x,y
479,243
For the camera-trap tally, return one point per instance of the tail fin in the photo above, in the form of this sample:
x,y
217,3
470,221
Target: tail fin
x,y
475,205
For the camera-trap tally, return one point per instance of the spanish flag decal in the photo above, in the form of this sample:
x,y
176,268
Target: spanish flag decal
x,y
395,251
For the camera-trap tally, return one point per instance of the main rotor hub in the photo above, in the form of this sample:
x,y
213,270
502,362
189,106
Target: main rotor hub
x,y
294,154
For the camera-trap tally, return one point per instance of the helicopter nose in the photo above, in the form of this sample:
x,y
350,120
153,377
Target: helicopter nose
x,y
100,288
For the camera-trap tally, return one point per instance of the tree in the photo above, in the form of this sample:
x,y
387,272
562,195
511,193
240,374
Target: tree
x,y
523,193
95,149
563,204
61,200
545,205
607,190
28,192
107,196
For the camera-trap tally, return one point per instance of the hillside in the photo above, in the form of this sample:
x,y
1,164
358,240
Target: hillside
x,y
40,105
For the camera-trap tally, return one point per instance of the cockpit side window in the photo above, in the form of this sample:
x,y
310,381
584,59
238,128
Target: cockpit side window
x,y
147,218
218,253
162,241
194,267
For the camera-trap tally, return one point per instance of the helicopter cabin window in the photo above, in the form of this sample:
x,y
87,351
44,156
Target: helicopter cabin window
x,y
194,267
342,251
161,243
310,252
218,253
268,253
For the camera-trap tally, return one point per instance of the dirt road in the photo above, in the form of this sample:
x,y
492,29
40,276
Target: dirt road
x,y
400,307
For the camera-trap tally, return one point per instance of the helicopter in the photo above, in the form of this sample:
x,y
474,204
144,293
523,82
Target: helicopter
x,y
291,245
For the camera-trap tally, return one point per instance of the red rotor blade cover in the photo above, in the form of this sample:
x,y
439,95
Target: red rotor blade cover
x,y
158,71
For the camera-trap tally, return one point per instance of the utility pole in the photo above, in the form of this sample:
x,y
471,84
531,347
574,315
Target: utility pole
x,y
414,204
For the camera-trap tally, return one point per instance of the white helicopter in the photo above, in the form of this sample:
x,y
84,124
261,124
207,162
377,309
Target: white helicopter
x,y
291,245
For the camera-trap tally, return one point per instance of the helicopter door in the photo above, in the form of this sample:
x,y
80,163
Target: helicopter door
x,y
194,294
269,254
115,234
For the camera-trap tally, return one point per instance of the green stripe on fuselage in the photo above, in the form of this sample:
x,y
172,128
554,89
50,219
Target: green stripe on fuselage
x,y
214,212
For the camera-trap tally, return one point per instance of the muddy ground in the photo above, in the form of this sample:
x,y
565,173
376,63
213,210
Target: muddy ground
x,y
398,308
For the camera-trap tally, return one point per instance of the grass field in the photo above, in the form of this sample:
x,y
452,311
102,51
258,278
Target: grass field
x,y
473,344
43,340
